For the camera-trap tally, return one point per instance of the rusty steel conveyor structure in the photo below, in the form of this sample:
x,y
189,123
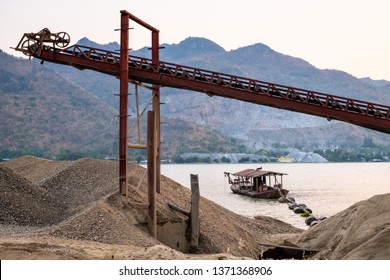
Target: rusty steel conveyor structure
x,y
361,113
52,47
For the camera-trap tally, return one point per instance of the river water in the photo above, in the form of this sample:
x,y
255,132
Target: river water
x,y
326,188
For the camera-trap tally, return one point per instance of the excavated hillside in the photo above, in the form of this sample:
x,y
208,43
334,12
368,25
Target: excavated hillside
x,y
72,210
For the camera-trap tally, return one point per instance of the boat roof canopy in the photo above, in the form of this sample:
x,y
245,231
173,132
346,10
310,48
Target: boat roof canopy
x,y
253,173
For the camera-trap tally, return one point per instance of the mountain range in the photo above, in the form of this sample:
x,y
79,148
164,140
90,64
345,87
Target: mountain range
x,y
55,103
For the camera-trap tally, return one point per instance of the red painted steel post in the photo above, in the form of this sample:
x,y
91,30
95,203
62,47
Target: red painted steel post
x,y
123,102
156,108
151,159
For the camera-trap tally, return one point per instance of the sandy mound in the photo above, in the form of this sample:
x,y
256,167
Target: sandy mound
x,y
23,203
360,232
82,204
37,170
72,210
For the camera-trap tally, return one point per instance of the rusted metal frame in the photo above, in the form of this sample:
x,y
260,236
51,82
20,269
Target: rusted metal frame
x,y
179,71
90,64
80,51
311,96
218,79
330,102
22,48
19,45
133,63
139,21
200,76
151,164
154,153
349,103
294,95
154,67
341,104
49,54
236,83
353,108
40,39
284,92
263,99
192,76
274,91
82,63
372,110
101,55
225,79
252,86
377,111
142,63
243,83
156,107
123,103
382,109
269,88
259,87
335,104
145,64
186,74
164,69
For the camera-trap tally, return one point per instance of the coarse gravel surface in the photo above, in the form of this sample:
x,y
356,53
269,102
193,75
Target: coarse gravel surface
x,y
78,201
72,210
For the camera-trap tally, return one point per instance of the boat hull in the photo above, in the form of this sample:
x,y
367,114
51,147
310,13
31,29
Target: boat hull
x,y
269,194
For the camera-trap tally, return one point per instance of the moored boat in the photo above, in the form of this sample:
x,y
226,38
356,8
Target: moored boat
x,y
257,183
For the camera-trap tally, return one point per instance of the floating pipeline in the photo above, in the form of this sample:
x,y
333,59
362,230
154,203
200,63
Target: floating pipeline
x,y
302,210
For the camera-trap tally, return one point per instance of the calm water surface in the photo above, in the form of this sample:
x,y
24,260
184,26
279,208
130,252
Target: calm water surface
x,y
326,188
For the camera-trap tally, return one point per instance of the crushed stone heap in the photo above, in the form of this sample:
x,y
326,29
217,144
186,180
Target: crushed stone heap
x,y
79,200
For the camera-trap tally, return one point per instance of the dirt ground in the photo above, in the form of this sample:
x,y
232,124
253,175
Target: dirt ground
x,y
72,210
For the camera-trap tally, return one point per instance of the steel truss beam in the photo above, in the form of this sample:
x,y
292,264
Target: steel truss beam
x,y
361,113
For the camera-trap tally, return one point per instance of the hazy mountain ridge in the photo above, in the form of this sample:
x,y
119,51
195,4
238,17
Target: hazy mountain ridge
x,y
41,111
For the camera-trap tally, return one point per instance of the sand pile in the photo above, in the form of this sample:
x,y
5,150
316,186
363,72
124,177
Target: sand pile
x,y
72,210
361,231
36,169
78,200
23,203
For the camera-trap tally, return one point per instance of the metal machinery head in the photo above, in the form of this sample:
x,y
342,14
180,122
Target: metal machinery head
x,y
33,43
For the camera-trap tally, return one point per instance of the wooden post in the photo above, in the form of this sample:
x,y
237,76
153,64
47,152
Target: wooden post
x,y
138,114
195,195
151,166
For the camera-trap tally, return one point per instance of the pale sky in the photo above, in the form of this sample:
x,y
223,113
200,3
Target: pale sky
x,y
347,35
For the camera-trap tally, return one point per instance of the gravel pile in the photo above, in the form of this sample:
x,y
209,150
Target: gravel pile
x,y
23,203
37,170
79,200
82,183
